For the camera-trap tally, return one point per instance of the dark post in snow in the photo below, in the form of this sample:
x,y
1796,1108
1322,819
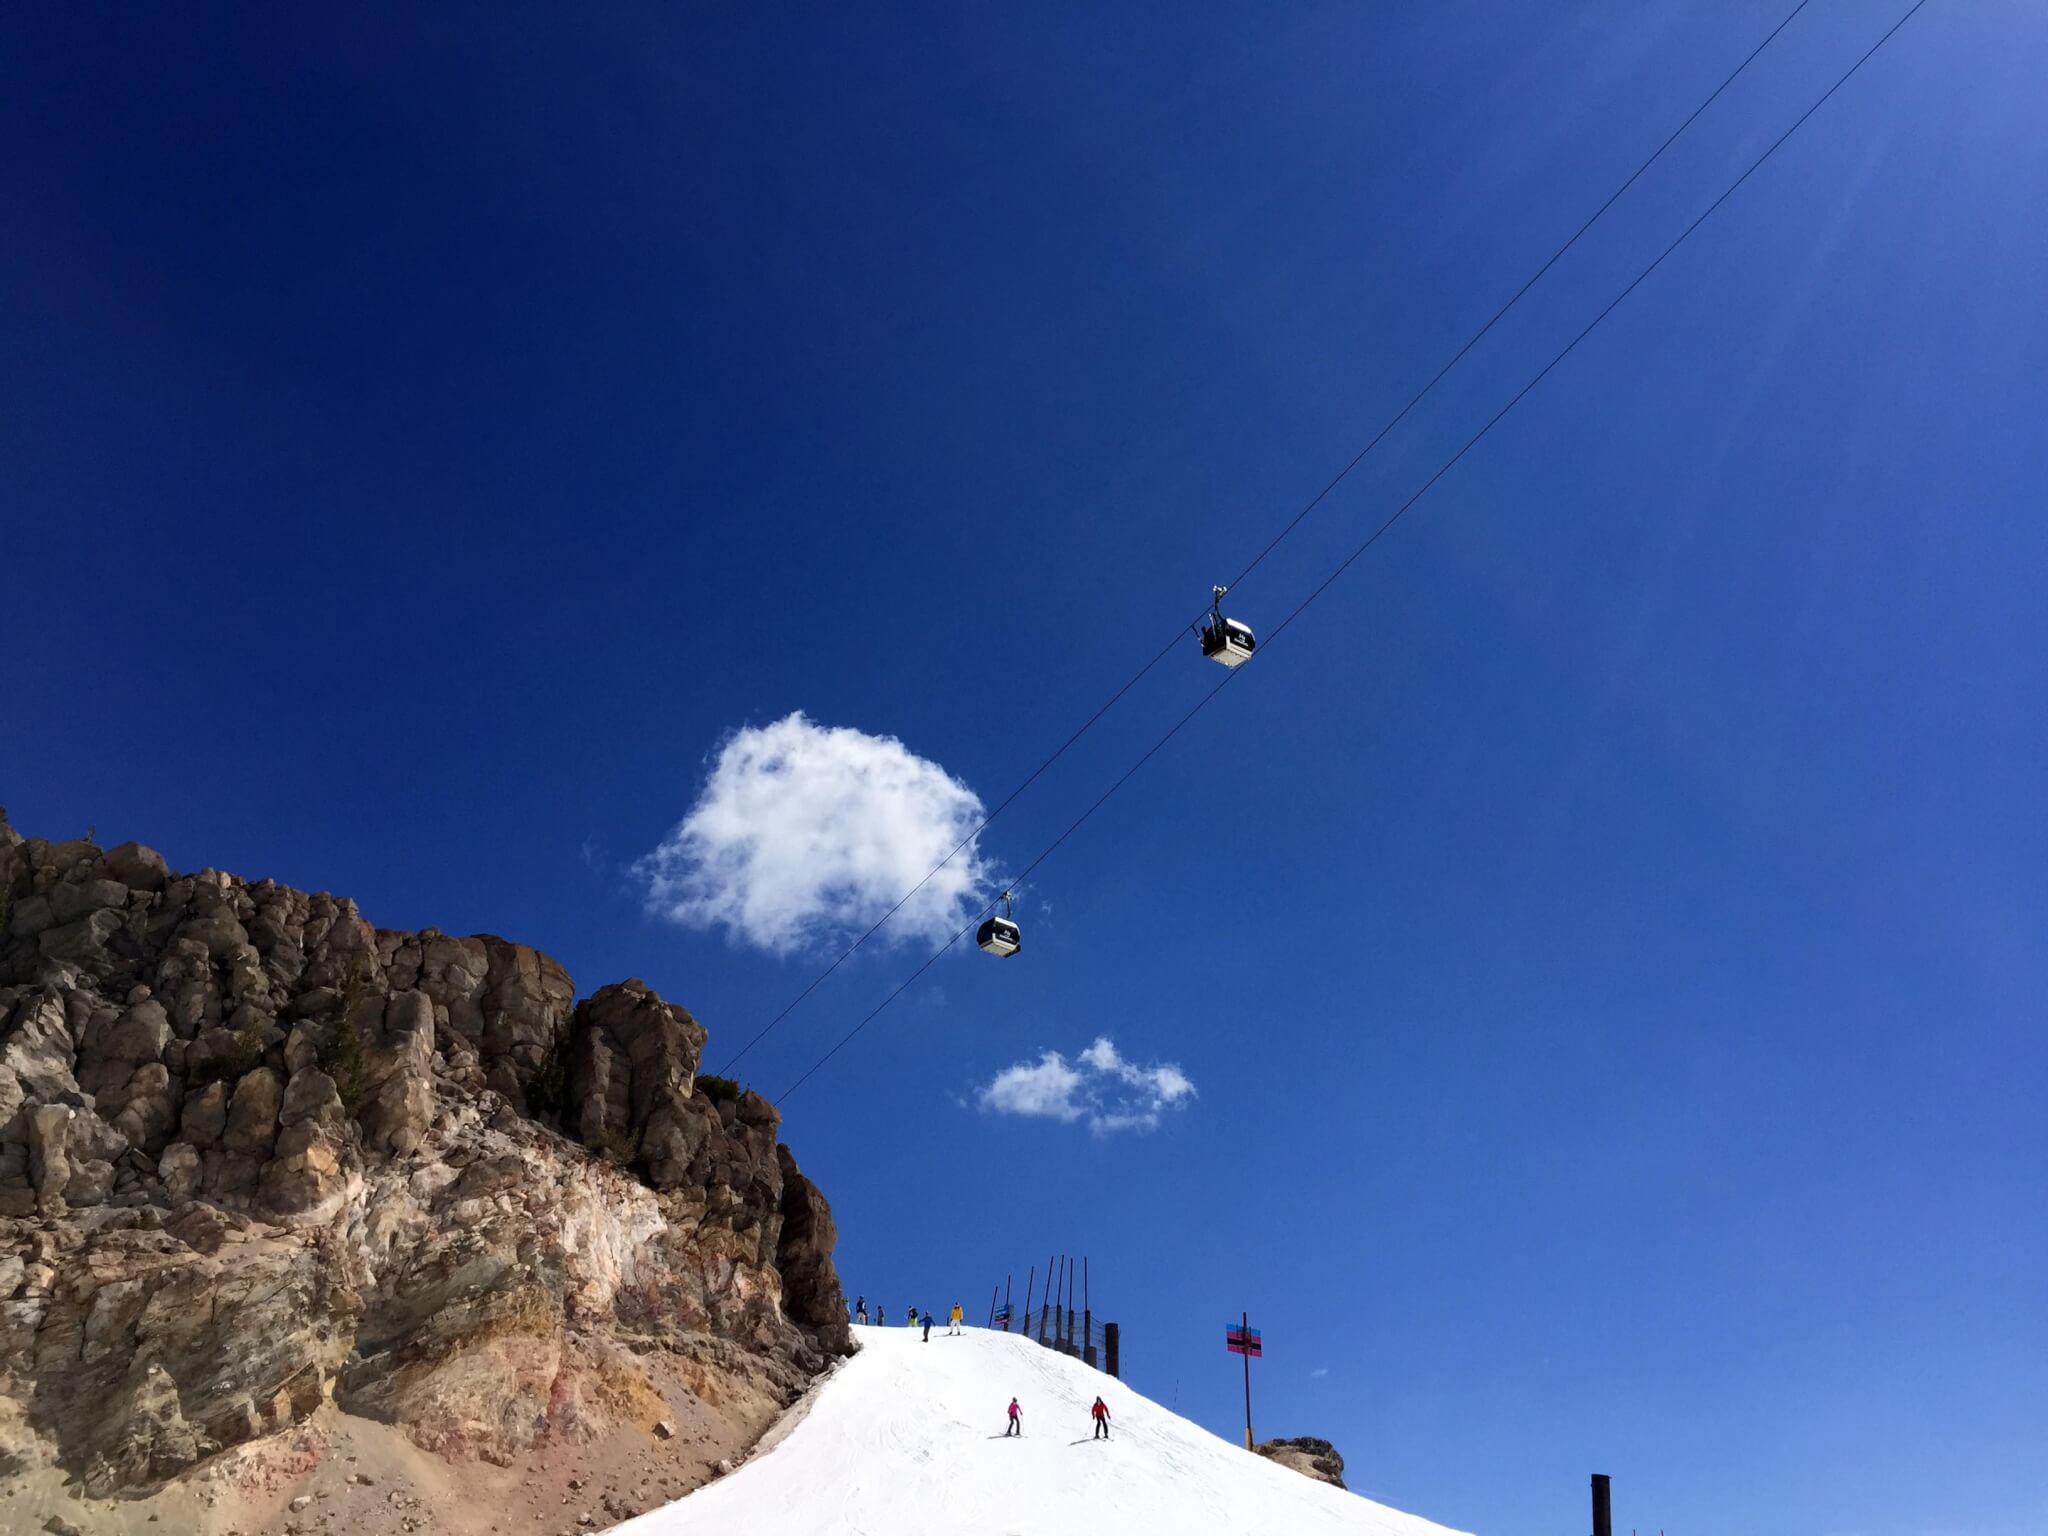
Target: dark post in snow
x,y
993,1292
1110,1353
1045,1300
1059,1310
1059,1317
1071,1348
1087,1318
1027,1299
1603,1514
1007,1313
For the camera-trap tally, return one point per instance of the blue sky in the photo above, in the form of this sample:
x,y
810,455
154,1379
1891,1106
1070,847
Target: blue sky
x,y
1603,937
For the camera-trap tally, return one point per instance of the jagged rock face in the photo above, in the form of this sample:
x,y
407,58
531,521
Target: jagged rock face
x,y
810,1285
635,1066
255,1152
1308,1456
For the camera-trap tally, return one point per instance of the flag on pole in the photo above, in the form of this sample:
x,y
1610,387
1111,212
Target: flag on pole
x,y
1243,1341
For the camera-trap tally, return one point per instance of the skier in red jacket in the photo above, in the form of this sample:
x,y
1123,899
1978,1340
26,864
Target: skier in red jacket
x,y
1016,1421
1101,1413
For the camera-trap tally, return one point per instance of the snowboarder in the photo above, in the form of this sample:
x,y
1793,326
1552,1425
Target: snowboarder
x,y
957,1315
927,1327
913,1317
1101,1413
1016,1421
860,1311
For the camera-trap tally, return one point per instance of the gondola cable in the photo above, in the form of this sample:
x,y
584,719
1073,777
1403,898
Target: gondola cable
x,y
1295,522
1379,532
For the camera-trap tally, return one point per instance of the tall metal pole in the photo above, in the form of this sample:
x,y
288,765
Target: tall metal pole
x,y
1006,1302
1067,1316
1059,1307
1603,1513
1070,1306
1027,1299
993,1291
1046,1299
1248,1385
1087,1318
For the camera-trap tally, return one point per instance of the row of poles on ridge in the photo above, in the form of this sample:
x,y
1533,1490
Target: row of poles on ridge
x,y
1060,1265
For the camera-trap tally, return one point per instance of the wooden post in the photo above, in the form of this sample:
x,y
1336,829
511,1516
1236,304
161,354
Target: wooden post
x,y
1248,1388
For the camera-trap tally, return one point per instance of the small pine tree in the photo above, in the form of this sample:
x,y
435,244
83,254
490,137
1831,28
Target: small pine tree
x,y
341,1054
719,1090
547,1091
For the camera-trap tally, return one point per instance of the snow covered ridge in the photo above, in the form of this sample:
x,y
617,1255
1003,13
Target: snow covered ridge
x,y
907,1439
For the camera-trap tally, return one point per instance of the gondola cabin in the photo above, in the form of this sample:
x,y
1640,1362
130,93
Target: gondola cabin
x,y
1228,642
1000,936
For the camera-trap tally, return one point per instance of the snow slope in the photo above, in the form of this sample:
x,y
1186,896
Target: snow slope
x,y
906,1439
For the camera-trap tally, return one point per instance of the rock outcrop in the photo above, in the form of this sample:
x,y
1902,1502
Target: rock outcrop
x,y
1308,1456
256,1154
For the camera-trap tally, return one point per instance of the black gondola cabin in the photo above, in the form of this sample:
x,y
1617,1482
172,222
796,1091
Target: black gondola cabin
x,y
1000,936
1228,642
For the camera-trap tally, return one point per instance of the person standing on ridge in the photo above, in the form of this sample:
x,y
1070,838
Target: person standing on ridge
x,y
1101,1413
1016,1421
860,1311
957,1315
927,1327
881,1317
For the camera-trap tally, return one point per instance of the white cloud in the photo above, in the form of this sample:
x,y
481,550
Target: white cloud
x,y
804,835
1047,1087
1098,1086
1320,1372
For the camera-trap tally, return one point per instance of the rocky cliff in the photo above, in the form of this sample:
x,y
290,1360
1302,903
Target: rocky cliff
x,y
257,1156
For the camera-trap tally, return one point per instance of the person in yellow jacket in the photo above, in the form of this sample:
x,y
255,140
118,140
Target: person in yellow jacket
x,y
954,1323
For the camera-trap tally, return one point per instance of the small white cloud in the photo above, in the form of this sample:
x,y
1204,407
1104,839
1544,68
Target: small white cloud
x,y
1320,1372
804,835
1098,1085
1047,1087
